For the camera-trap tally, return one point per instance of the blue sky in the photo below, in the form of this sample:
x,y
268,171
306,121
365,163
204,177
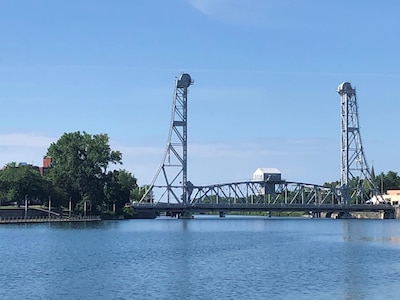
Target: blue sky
x,y
265,72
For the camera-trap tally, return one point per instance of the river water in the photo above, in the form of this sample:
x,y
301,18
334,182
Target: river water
x,y
202,258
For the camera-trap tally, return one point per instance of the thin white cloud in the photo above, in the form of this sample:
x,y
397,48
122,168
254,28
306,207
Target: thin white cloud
x,y
233,11
246,12
23,147
23,139
208,8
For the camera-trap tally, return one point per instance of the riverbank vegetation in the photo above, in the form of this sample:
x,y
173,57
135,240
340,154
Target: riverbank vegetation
x,y
383,182
83,175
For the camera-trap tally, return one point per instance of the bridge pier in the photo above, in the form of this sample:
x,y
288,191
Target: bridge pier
x,y
345,215
397,212
222,214
389,214
172,214
316,214
186,215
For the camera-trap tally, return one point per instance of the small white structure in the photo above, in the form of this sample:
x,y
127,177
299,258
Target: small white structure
x,y
391,197
375,200
267,174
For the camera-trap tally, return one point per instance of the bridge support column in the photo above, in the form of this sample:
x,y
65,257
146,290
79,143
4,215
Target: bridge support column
x,y
389,214
316,214
186,215
345,215
397,212
222,214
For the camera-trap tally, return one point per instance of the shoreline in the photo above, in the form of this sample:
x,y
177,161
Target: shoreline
x,y
12,220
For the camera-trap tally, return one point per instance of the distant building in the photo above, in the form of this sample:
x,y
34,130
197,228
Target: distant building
x,y
267,174
46,165
42,170
393,196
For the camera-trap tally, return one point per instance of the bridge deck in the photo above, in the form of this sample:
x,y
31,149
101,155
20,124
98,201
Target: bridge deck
x,y
279,207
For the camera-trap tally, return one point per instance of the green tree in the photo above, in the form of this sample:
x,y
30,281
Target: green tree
x,y
388,181
79,167
20,181
117,189
58,197
332,184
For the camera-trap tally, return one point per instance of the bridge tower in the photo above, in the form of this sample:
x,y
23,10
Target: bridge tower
x,y
173,167
354,164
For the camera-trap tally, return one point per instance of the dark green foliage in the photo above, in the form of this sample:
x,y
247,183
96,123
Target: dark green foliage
x,y
388,181
129,213
117,189
20,181
79,167
383,182
79,172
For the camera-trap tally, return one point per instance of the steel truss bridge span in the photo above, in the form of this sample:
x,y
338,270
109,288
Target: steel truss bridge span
x,y
258,196
254,192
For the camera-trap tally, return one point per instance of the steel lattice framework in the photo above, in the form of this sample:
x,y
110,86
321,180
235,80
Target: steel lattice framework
x,y
174,163
354,164
179,196
258,192
263,192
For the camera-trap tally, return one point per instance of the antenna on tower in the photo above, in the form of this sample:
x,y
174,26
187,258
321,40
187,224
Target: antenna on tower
x,y
176,187
354,169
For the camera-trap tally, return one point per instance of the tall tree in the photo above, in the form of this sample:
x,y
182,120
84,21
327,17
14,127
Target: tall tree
x,y
118,188
18,181
79,166
388,181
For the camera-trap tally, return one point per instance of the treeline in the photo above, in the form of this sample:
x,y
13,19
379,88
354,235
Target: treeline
x,y
384,182
79,172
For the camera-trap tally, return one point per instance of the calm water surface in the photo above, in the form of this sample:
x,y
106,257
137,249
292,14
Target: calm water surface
x,y
202,258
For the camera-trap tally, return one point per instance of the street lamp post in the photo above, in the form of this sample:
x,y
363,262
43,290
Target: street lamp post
x,y
70,207
49,206
26,206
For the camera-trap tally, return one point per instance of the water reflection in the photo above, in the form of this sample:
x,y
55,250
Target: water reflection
x,y
362,251
205,258
383,231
